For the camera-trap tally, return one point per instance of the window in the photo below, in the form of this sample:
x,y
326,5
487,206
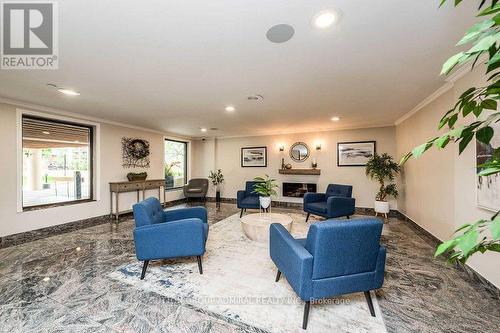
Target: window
x,y
57,162
175,164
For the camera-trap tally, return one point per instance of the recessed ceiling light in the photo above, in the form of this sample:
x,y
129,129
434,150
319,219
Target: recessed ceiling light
x,y
203,129
335,118
230,108
46,132
325,19
68,92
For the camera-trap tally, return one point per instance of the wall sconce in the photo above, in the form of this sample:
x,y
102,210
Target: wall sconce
x,y
282,148
318,146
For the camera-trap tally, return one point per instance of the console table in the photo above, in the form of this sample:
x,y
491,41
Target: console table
x,y
134,186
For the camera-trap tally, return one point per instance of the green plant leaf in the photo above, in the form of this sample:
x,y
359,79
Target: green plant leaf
x,y
444,247
453,119
451,63
442,141
465,142
485,134
483,44
476,30
489,104
468,241
495,228
477,111
490,10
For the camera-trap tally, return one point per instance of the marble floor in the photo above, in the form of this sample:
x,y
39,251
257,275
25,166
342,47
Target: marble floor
x,y
61,284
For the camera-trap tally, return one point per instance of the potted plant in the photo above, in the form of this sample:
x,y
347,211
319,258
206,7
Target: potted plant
x,y
217,178
169,174
382,168
265,187
132,176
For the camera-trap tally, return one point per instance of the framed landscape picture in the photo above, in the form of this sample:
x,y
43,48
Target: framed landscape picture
x,y
253,157
354,153
488,187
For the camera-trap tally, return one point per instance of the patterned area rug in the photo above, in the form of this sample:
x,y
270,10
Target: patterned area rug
x,y
238,285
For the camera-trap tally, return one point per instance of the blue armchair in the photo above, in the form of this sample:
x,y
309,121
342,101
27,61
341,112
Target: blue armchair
x,y
336,202
247,198
336,258
162,234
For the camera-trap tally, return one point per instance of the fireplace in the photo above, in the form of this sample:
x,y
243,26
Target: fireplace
x,y
297,190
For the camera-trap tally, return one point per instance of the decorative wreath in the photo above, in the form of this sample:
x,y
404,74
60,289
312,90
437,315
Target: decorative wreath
x,y
137,148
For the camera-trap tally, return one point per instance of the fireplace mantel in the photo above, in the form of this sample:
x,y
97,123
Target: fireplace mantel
x,y
314,172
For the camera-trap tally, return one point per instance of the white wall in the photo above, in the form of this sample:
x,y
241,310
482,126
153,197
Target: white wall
x,y
110,161
225,154
440,187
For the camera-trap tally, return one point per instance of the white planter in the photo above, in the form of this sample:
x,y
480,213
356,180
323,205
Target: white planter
x,y
382,207
265,202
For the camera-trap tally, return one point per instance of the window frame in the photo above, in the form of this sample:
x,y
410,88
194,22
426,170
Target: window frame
x,y
92,153
186,150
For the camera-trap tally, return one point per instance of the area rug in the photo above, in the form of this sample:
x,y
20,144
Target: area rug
x,y
238,285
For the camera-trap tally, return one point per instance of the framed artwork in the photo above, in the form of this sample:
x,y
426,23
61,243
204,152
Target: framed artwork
x,y
253,157
488,187
135,153
355,153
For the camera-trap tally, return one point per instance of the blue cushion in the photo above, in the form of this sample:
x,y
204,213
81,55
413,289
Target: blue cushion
x,y
250,188
344,247
336,190
319,207
148,212
251,201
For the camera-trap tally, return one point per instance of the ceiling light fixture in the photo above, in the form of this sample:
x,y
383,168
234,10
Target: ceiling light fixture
x,y
325,19
203,129
68,92
230,108
335,119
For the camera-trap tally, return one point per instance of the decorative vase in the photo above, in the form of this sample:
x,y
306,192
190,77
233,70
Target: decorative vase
x,y
288,166
382,207
265,202
217,196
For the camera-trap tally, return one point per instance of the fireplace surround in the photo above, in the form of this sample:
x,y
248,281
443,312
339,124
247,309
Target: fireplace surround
x,y
297,190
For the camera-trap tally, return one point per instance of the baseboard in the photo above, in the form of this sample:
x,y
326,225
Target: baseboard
x,y
33,235
434,241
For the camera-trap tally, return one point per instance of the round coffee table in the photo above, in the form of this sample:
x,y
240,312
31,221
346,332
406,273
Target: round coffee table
x,y
256,226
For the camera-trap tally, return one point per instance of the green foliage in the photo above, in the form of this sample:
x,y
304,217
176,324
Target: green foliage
x,y
479,103
265,186
216,178
382,168
169,172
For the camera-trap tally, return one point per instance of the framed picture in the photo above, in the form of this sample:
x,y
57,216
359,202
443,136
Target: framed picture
x,y
253,157
354,153
488,187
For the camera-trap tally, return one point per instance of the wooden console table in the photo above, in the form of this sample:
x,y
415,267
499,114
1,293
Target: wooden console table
x,y
134,186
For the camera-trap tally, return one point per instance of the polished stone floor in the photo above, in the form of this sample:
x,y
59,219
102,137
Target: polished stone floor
x,y
61,284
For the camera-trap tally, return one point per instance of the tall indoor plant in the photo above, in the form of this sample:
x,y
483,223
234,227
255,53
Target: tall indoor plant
x,y
383,169
265,187
217,178
480,104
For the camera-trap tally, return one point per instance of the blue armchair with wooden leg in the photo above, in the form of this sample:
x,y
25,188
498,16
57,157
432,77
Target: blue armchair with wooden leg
x,y
336,202
160,234
336,258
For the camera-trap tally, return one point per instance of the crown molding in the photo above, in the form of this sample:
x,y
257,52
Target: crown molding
x,y
78,116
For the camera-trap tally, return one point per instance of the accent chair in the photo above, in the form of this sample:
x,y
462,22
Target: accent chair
x,y
336,202
196,188
247,199
160,234
336,258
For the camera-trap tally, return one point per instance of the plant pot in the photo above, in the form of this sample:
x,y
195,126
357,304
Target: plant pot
x,y
382,207
217,197
265,202
136,176
169,181
45,186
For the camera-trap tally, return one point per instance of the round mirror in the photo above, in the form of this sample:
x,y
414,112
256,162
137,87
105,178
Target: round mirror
x,y
299,152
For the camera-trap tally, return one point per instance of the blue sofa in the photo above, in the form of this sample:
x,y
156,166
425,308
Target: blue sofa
x,y
247,199
336,258
336,202
160,234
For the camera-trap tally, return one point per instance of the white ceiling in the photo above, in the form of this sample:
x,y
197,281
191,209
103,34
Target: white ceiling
x,y
174,65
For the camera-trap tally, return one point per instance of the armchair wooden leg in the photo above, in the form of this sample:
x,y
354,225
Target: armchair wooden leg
x,y
307,217
370,303
241,214
200,267
278,276
144,268
306,314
